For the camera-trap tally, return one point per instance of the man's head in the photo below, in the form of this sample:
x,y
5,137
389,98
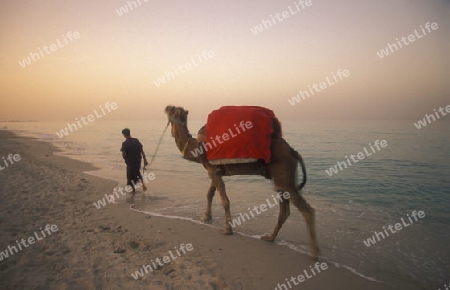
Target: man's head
x,y
126,132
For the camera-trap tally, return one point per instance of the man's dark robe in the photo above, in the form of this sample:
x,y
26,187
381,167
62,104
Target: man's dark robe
x,y
133,156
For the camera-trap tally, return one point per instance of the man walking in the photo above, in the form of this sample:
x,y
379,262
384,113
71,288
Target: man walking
x,y
132,152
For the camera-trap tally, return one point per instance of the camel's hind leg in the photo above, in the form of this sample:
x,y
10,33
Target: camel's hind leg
x,y
209,196
309,214
282,217
217,181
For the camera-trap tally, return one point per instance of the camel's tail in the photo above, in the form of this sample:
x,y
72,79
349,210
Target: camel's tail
x,y
300,160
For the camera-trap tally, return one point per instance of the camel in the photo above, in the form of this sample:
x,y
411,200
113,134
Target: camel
x,y
282,169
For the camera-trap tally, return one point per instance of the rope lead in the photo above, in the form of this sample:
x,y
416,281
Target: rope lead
x,y
157,147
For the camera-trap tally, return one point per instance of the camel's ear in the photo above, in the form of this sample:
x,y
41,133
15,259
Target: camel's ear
x,y
169,109
187,112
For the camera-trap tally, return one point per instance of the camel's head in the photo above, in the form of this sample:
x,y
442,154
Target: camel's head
x,y
176,115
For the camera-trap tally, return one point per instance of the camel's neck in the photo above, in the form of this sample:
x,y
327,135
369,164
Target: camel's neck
x,y
185,142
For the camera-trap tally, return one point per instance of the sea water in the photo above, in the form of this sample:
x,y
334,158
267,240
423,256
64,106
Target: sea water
x,y
411,173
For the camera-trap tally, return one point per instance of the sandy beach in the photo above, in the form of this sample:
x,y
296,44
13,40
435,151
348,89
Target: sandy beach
x,y
102,248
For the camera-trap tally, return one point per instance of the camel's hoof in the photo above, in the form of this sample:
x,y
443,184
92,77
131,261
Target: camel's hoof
x,y
267,238
315,254
226,231
206,218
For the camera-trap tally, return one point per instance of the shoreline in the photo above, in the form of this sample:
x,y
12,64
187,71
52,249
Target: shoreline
x,y
101,248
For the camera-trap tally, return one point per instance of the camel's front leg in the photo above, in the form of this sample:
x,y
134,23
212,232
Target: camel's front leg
x,y
209,196
282,216
220,185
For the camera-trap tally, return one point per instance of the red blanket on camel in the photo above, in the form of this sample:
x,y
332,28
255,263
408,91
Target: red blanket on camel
x,y
240,132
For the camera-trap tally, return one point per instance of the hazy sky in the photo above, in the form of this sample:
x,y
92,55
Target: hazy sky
x,y
119,58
